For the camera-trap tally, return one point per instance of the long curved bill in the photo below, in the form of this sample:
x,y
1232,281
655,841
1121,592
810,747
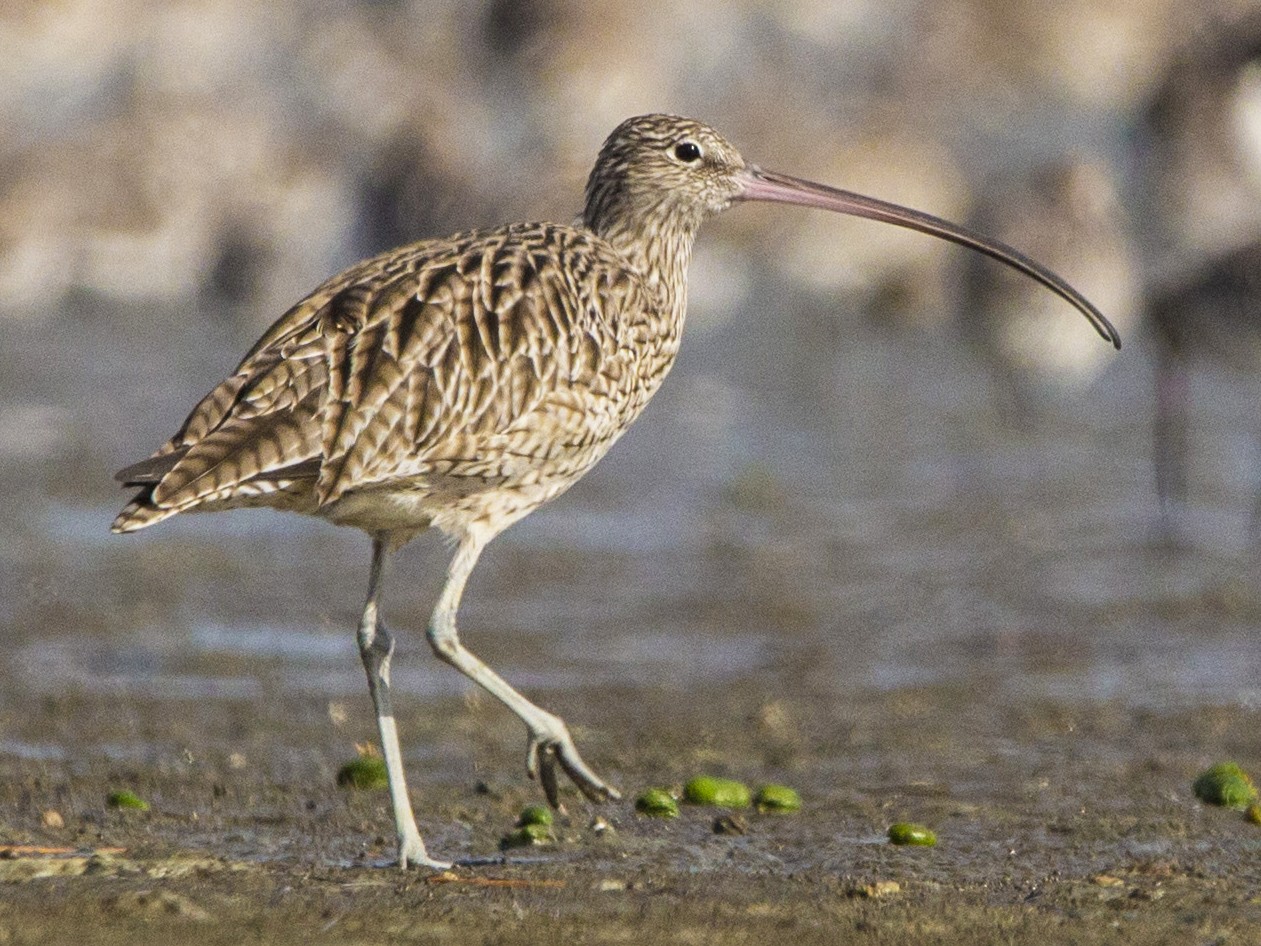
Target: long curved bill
x,y
758,184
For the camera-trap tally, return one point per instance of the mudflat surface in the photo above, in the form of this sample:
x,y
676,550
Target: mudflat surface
x,y
833,566
1056,822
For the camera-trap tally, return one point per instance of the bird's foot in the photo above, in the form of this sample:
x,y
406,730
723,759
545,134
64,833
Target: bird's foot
x,y
551,745
412,853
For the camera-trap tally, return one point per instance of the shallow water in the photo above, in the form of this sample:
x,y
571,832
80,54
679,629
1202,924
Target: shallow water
x,y
804,488
826,556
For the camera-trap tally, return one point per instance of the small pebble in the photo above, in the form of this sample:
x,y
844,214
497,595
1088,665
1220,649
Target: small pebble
x,y
366,773
722,792
777,799
601,827
51,818
1225,784
906,833
657,803
128,800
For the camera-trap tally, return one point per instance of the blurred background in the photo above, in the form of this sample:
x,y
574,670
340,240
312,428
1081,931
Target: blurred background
x,y
879,461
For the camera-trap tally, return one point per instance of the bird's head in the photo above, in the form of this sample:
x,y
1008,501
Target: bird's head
x,y
659,176
661,170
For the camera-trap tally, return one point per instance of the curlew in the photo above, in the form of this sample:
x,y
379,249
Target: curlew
x,y
1208,316
1067,211
1199,145
461,383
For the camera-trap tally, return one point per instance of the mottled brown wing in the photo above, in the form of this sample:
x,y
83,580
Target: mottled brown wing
x,y
247,437
483,364
287,352
444,356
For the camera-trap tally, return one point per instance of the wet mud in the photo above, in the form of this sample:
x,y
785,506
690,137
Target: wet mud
x,y
845,573
1070,821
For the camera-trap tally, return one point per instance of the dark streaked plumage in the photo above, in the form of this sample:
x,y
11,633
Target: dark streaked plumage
x,y
451,366
461,383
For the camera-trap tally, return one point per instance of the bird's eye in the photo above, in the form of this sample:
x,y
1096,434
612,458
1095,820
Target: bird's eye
x,y
688,151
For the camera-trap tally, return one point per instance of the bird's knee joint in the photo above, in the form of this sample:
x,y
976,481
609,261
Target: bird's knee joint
x,y
376,644
444,641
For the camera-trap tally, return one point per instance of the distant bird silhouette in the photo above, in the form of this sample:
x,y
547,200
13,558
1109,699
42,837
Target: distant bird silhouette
x,y
1200,157
1215,315
461,383
1068,213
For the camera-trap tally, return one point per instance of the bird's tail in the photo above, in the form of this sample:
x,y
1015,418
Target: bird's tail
x,y
146,475
140,513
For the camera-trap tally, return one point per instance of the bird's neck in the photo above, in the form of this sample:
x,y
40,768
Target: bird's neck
x,y
659,253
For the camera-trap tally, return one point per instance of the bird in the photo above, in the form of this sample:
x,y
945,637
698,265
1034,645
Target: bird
x,y
1208,316
1198,145
1068,209
460,383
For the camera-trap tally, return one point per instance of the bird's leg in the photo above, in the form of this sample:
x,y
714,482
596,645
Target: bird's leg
x,y
1254,522
376,645
549,741
1170,436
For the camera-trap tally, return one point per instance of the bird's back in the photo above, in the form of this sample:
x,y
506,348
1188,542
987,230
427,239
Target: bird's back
x,y
472,376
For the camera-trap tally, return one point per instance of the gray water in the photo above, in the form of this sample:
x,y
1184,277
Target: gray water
x,y
808,498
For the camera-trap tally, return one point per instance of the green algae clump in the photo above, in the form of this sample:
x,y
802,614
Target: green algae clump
x,y
906,833
657,803
535,814
366,773
128,800
528,835
777,799
1225,784
720,792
